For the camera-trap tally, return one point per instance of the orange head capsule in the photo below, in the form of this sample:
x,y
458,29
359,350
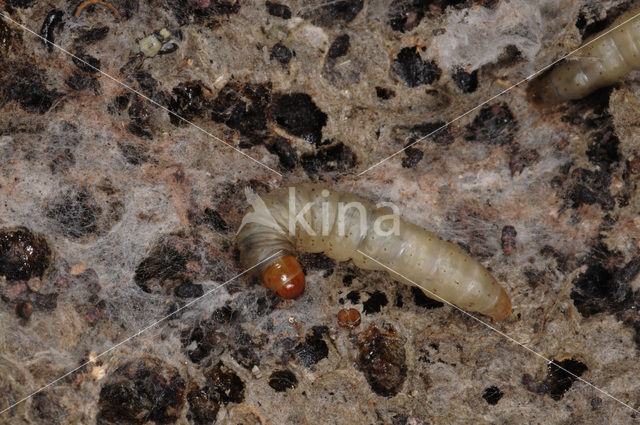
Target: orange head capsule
x,y
285,277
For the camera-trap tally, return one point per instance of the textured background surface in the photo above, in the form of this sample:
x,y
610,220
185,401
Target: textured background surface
x,y
139,211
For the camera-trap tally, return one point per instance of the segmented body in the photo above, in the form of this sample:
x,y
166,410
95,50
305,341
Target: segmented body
x,y
336,227
601,63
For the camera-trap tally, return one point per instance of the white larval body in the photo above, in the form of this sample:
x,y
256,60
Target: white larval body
x,y
333,225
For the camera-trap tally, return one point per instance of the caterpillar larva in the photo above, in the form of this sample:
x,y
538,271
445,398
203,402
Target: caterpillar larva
x,y
314,218
599,64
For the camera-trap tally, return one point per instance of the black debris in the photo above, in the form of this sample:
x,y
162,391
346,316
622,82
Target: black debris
x,y
243,107
561,375
25,84
23,4
225,384
47,31
281,53
297,114
278,10
189,101
209,14
47,409
384,93
422,300
313,348
437,132
145,389
413,70
339,47
140,124
9,39
494,125
492,395
285,152
375,302
412,157
466,81
245,350
87,63
23,254
588,187
282,380
405,15
333,13
604,148
599,290
203,405
353,296
147,83
336,158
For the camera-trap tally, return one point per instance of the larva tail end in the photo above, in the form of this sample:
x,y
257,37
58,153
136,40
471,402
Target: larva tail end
x,y
540,94
285,276
502,309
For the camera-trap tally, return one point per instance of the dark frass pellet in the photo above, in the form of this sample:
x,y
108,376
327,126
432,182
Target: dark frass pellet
x,y
466,81
492,395
299,116
278,10
339,47
282,380
23,254
561,375
375,302
281,53
413,70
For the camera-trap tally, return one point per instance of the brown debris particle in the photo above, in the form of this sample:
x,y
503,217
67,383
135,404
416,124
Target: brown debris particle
x,y
225,384
24,309
23,254
144,389
382,359
508,240
348,318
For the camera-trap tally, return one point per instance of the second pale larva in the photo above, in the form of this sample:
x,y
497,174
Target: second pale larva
x,y
345,227
607,57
